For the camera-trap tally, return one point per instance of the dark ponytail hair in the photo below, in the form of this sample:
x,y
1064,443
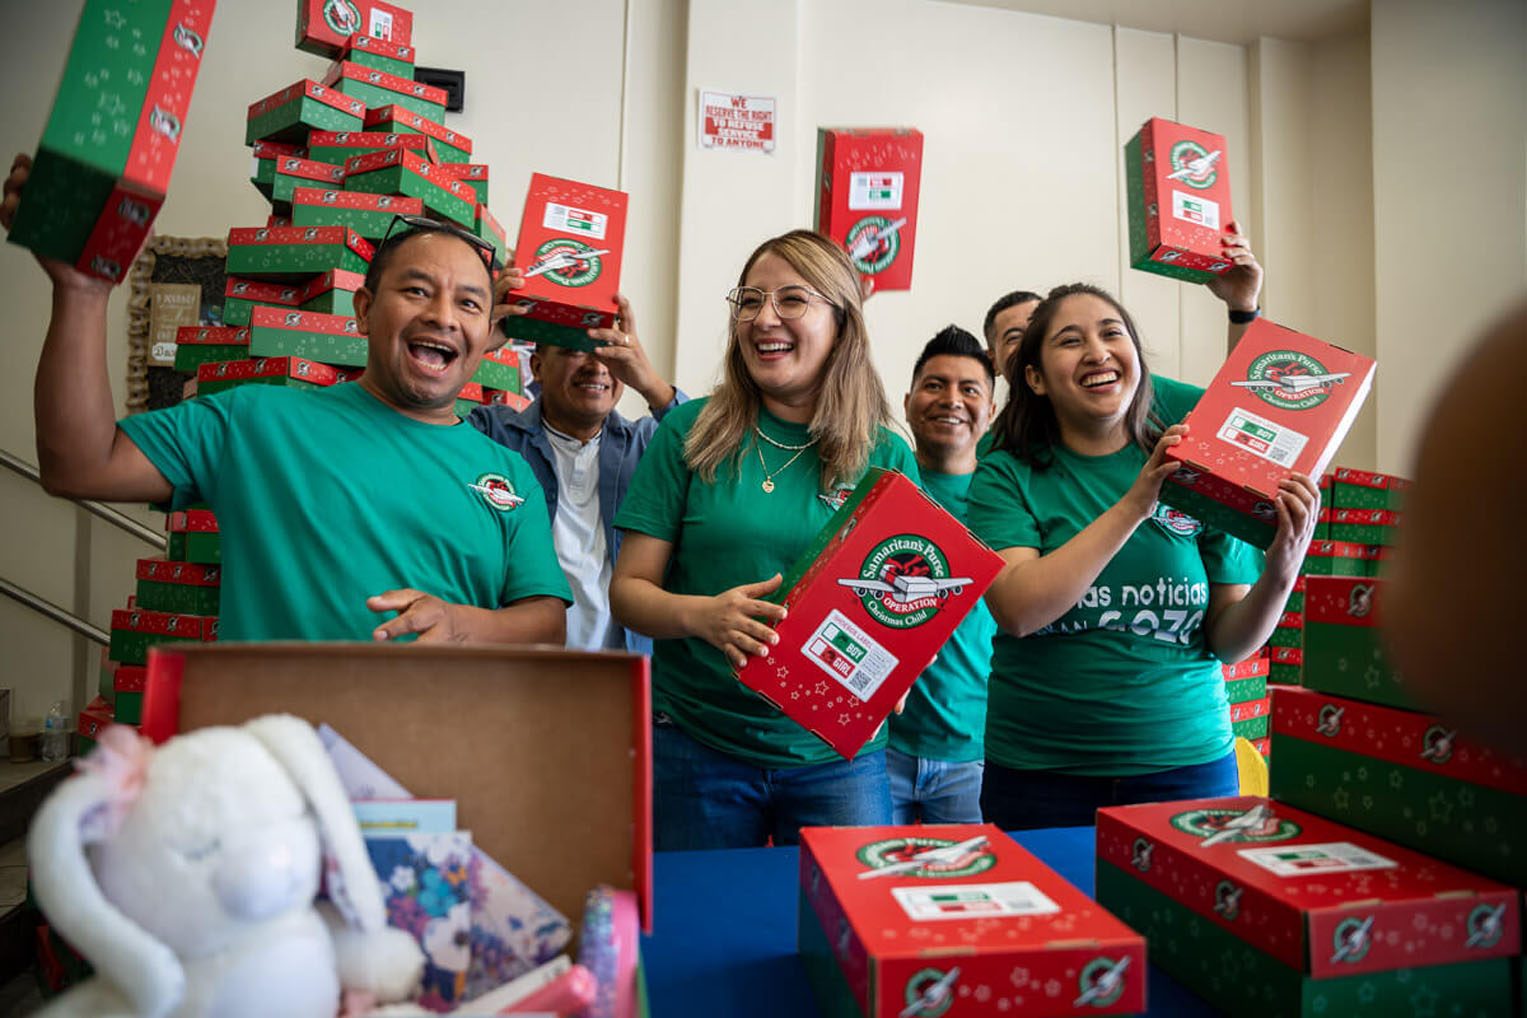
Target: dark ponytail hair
x,y
1027,426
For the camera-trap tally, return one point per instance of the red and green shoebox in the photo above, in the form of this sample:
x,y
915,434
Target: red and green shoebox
x,y
107,151
491,230
193,533
292,173
1366,526
134,630
503,397
1289,631
469,398
378,88
1250,719
1177,185
196,345
1252,667
295,253
474,175
266,155
867,188
570,241
1412,778
290,372
871,602
306,105
450,146
92,720
1338,558
338,147
333,293
1286,665
369,215
1281,404
1363,489
1264,909
1343,650
309,335
242,296
499,369
325,27
396,59
400,171
958,921
1239,691
188,588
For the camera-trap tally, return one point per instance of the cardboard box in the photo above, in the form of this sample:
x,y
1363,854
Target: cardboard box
x,y
1339,558
295,252
293,173
1281,404
503,397
242,296
570,243
376,54
580,723
1252,729
985,929
291,372
491,230
95,716
370,215
128,678
193,535
1249,668
1366,526
867,186
1177,184
332,293
1264,909
1343,649
204,344
107,151
499,369
871,602
328,339
1239,691
1259,708
306,105
378,88
134,630
399,171
266,154
474,175
1289,631
1362,489
324,27
338,147
450,146
1412,778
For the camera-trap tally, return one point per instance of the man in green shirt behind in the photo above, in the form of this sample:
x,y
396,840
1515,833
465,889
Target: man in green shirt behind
x,y
935,757
340,505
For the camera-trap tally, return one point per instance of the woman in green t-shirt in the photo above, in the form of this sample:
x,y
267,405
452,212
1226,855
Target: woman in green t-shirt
x,y
731,491
1115,611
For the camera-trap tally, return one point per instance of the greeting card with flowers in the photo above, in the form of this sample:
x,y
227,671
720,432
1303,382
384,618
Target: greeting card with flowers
x,y
430,882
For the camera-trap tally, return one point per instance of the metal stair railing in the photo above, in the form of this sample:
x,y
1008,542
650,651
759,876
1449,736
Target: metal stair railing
x,y
115,517
62,616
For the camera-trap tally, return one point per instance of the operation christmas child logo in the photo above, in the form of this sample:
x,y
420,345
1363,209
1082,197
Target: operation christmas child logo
x,y
342,16
873,243
912,857
905,581
497,491
1290,380
1218,824
1193,165
566,262
1101,982
929,993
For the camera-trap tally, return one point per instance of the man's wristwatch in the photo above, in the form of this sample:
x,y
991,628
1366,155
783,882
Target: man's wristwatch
x,y
1244,317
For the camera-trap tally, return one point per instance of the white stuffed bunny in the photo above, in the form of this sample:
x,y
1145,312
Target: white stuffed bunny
x,y
185,874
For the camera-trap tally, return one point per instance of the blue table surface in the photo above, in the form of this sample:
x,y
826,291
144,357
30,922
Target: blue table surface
x,y
723,939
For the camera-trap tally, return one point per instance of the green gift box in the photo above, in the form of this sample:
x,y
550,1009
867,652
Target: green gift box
x,y
196,345
379,55
289,114
1289,632
128,708
1286,674
369,215
266,155
328,339
450,146
1343,653
292,173
378,88
107,151
1409,777
399,171
338,147
295,252
242,296
134,630
1339,558
1365,526
183,587
333,293
489,229
1362,489
474,175
1244,690
1251,728
288,372
499,369
193,533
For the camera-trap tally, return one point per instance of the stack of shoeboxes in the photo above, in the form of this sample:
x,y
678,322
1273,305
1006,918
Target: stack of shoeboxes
x,y
1250,705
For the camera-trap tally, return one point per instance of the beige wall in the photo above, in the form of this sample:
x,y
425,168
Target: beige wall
x,y
1366,193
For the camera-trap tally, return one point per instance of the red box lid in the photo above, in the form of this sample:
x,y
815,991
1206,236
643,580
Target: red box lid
x,y
189,573
272,367
191,521
399,115
1248,709
277,149
303,321
138,620
1343,600
251,235
307,169
381,47
211,335
1367,517
350,71
503,397
334,279
1369,479
313,90
260,290
466,171
1249,668
1320,897
868,186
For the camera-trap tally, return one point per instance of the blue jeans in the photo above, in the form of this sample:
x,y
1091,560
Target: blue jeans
x,y
933,791
1019,800
705,799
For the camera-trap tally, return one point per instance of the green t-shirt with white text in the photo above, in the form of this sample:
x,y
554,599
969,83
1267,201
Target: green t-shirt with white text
x,y
724,534
945,716
1123,682
327,497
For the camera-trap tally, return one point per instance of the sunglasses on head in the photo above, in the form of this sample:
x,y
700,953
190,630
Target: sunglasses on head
x,y
416,224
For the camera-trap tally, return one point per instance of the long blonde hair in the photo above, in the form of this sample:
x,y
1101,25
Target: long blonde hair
x,y
851,405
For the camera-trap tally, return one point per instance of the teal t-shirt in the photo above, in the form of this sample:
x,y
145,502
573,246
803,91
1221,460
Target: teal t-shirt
x,y
724,534
945,717
327,497
1123,683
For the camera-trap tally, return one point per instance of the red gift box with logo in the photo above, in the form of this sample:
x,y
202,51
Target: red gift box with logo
x,y
955,920
867,186
1281,404
324,27
871,602
570,242
1178,190
451,146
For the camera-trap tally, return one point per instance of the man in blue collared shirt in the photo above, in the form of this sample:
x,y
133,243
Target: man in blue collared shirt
x,y
583,451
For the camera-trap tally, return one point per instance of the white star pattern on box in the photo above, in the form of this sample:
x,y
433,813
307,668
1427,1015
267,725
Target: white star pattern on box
x,y
115,19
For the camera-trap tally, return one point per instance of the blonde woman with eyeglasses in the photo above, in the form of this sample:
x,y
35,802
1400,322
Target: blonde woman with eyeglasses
x,y
731,491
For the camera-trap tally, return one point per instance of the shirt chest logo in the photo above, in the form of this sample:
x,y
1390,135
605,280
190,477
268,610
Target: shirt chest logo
x,y
497,491
1175,521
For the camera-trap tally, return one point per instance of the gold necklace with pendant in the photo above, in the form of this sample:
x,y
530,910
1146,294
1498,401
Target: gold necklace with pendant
x,y
768,481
